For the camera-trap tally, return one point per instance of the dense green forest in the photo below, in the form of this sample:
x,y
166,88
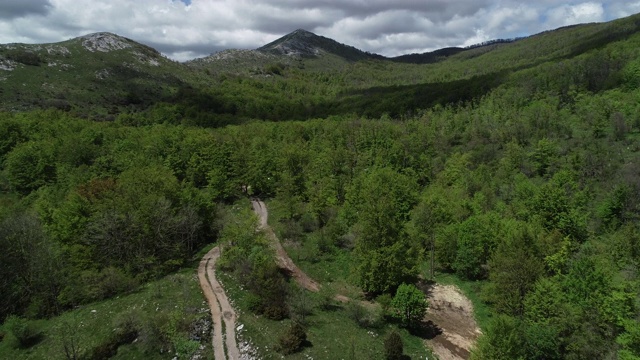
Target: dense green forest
x,y
520,176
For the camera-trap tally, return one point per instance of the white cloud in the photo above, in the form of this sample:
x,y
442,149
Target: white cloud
x,y
575,14
183,30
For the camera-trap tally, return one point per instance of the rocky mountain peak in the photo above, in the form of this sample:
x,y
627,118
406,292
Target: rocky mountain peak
x,y
304,43
104,42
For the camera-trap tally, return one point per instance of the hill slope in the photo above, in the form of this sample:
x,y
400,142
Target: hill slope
x,y
102,71
301,75
307,44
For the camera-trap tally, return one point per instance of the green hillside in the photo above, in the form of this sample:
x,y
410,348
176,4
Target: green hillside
x,y
96,75
511,169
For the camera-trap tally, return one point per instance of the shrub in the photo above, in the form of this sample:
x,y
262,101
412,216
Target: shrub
x,y
363,317
127,326
325,298
393,347
385,301
153,335
356,312
24,331
25,57
292,340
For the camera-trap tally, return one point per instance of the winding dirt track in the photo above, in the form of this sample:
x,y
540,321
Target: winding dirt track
x,y
450,313
220,308
284,261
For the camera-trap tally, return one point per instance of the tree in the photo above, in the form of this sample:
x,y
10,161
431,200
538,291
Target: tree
x,y
503,339
514,269
378,203
29,166
476,238
410,304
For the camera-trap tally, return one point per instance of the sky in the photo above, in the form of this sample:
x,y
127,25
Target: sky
x,y
186,29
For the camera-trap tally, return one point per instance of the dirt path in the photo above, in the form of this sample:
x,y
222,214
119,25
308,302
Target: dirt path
x,y
450,315
284,261
220,308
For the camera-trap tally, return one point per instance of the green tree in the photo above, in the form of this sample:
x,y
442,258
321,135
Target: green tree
x,y
514,269
379,203
476,240
503,339
29,166
410,304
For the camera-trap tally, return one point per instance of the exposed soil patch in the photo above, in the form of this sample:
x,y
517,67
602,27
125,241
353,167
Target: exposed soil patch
x,y
453,330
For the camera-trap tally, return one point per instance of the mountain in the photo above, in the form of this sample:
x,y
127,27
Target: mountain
x,y
307,44
297,49
86,72
428,57
301,75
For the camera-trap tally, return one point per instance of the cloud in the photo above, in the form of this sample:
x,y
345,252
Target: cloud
x,y
10,9
575,14
183,29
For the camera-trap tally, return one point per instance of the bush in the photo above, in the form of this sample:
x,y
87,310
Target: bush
x,y
308,222
363,317
385,301
356,312
127,326
25,57
292,340
276,311
24,331
91,285
152,334
325,298
128,322
393,347
300,305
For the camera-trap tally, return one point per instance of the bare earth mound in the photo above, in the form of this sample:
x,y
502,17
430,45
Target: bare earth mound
x,y
451,313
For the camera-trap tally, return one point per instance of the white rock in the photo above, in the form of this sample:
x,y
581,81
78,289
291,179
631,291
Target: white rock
x,y
103,42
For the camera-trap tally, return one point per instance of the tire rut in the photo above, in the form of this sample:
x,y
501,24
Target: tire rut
x,y
221,309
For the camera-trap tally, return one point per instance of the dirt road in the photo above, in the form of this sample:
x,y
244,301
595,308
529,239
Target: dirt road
x,y
284,261
221,309
451,316
450,313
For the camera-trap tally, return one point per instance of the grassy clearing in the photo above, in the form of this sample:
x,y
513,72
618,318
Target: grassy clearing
x,y
165,313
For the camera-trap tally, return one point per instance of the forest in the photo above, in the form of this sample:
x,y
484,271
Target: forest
x,y
523,181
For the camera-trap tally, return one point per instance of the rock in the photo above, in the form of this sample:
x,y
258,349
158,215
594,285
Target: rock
x,y
104,42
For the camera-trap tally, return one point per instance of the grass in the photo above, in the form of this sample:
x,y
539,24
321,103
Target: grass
x,y
170,304
331,333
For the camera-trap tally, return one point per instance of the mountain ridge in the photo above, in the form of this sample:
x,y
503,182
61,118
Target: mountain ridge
x,y
307,44
107,74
